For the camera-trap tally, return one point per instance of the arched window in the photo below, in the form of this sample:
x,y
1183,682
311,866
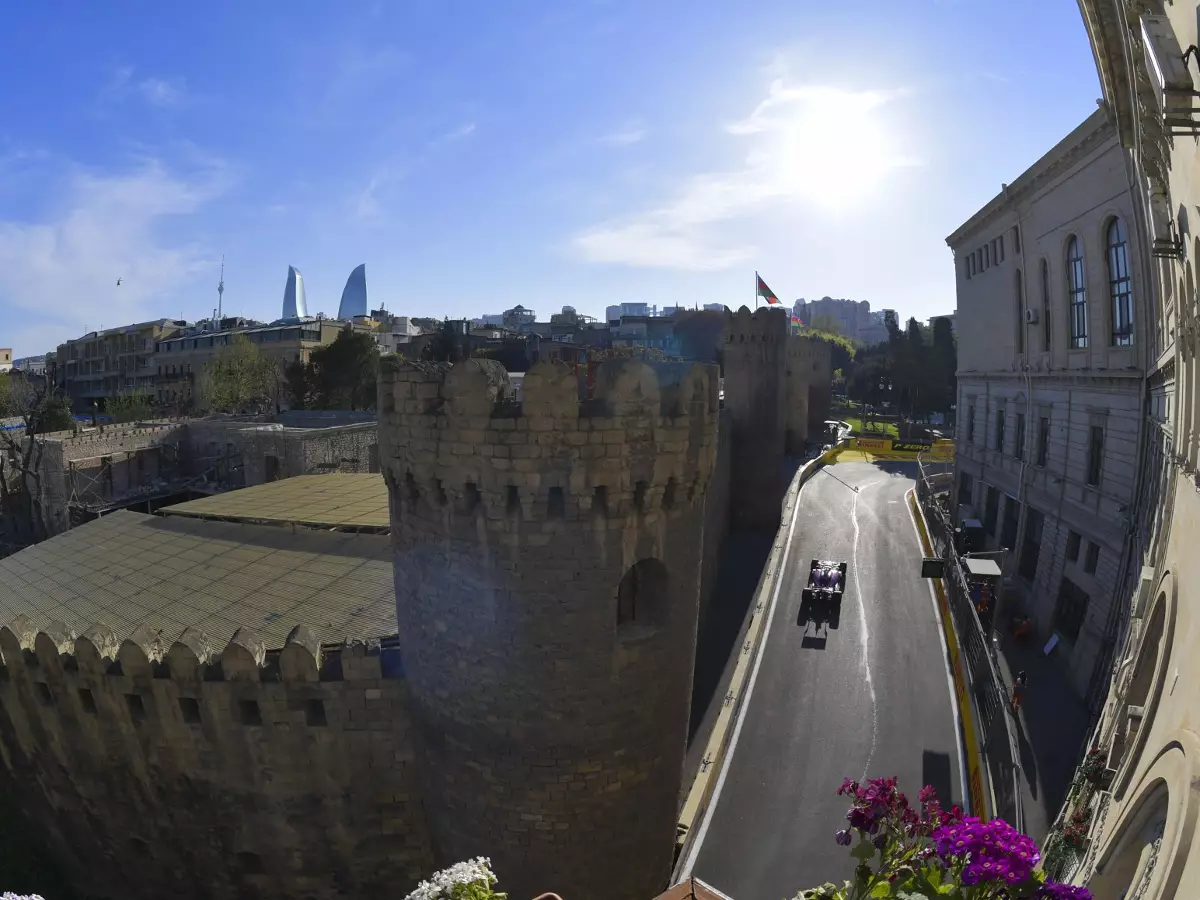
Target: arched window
x,y
642,595
1077,294
1045,306
1120,285
1020,315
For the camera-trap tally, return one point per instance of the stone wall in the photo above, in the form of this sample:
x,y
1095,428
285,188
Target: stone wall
x,y
809,390
232,773
716,513
756,391
548,560
119,463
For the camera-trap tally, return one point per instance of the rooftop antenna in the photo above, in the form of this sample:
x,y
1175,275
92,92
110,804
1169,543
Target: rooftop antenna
x,y
221,290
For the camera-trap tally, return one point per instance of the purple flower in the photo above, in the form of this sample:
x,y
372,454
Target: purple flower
x,y
927,795
1052,890
843,837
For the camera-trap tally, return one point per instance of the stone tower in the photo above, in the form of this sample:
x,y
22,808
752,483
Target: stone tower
x,y
756,390
547,566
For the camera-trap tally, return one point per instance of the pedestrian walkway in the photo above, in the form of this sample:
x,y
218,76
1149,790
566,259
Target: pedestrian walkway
x,y
1051,729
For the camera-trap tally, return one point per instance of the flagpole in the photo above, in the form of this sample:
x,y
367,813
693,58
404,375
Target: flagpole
x,y
756,289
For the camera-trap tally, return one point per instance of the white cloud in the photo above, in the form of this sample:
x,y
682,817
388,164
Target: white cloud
x,y
625,135
153,90
819,146
160,92
63,270
457,134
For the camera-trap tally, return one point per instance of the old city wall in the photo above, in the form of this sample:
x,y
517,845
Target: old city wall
x,y
755,354
230,772
101,463
716,513
552,549
809,389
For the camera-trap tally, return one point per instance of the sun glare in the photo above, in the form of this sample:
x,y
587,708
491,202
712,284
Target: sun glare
x,y
825,146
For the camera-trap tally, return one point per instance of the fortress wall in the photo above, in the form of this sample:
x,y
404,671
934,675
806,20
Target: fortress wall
x,y
178,771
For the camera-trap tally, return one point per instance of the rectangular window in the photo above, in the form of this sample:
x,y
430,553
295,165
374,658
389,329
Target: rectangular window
x,y
1043,447
1092,560
991,511
1031,545
1077,287
1095,462
999,445
966,488
1070,611
1019,437
1012,517
971,423
1120,285
1073,546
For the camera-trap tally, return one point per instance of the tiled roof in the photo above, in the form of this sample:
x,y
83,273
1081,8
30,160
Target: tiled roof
x,y
127,569
325,501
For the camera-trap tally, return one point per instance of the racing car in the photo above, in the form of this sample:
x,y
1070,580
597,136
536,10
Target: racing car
x,y
821,599
827,579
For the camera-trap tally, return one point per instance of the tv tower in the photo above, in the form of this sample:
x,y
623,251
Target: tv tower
x,y
221,290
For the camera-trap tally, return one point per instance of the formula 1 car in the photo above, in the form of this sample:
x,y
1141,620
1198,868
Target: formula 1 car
x,y
821,599
827,579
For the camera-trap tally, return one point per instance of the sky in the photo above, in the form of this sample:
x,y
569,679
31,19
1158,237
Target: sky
x,y
476,155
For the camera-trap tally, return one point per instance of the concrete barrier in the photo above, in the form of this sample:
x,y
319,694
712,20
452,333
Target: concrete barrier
x,y
700,793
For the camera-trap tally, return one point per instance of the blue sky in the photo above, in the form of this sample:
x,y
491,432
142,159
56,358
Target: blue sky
x,y
477,155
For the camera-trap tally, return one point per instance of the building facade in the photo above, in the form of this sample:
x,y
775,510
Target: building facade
x,y
179,360
112,362
1143,819
1052,341
6,359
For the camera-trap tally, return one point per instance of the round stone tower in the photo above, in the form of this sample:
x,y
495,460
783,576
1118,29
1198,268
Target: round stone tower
x,y
756,393
547,564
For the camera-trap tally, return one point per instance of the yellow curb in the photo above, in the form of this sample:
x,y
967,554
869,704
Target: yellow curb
x,y
979,798
714,752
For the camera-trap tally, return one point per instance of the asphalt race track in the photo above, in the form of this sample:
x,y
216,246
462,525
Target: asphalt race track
x,y
869,697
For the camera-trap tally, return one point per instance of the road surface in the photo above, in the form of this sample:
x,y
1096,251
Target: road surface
x,y
873,698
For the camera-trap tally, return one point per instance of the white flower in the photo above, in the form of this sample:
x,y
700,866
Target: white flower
x,y
11,896
441,885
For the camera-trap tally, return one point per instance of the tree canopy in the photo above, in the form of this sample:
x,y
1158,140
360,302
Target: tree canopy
x,y
238,379
341,375
912,369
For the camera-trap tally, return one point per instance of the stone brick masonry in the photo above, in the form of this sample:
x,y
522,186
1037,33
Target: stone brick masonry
x,y
548,561
183,772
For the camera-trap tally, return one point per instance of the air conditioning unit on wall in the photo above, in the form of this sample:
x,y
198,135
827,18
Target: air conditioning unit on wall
x,y
1031,317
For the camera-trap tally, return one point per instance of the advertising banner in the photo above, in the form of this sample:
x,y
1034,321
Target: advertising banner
x,y
872,445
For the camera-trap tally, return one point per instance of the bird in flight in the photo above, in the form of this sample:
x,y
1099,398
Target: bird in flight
x,y
118,282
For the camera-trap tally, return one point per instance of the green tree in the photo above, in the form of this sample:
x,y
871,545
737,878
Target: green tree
x,y
343,375
238,379
128,407
38,409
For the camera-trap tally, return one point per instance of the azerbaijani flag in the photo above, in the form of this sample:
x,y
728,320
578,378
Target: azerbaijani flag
x,y
765,292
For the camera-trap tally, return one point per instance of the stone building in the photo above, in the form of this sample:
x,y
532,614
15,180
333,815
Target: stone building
x,y
111,362
1052,341
179,360
552,551
145,465
1143,820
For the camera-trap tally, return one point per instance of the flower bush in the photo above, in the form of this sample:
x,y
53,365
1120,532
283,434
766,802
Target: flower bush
x,y
910,854
1093,766
470,880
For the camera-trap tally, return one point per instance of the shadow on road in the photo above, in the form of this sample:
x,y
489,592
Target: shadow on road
x,y
743,556
814,641
936,772
897,468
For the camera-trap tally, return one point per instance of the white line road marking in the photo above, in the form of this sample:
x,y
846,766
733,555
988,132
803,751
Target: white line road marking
x,y
958,729
694,850
866,634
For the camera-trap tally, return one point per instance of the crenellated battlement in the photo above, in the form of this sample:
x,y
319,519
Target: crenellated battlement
x,y
635,439
766,324
239,762
57,651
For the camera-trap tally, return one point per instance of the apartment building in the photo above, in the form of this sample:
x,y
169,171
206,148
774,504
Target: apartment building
x,y
112,362
179,359
1052,343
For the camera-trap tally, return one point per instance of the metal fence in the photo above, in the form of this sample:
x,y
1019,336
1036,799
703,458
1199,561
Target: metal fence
x,y
987,689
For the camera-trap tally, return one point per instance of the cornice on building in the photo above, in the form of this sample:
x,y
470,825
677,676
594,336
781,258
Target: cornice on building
x,y
1092,132
1090,377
